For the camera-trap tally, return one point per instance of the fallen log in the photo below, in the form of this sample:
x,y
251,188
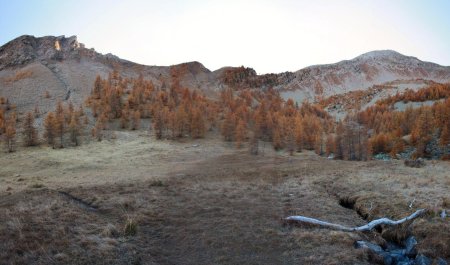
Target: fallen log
x,y
371,225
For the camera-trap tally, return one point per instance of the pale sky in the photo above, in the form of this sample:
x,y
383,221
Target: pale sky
x,y
269,36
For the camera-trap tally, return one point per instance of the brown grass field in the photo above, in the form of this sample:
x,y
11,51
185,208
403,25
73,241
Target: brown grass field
x,y
135,200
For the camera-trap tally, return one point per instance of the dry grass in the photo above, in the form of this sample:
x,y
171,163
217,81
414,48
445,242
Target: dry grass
x,y
137,201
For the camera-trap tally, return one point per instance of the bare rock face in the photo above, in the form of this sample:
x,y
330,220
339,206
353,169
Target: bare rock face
x,y
50,49
26,49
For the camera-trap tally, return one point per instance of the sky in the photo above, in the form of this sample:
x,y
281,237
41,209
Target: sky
x,y
269,36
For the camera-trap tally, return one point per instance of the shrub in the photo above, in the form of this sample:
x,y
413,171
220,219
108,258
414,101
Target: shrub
x,y
415,163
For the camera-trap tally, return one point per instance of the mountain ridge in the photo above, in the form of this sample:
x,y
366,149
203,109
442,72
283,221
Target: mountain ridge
x,y
74,44
67,69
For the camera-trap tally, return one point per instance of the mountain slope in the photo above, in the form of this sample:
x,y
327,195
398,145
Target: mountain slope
x,y
30,67
362,72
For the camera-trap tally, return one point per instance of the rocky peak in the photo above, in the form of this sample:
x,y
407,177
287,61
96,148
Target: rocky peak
x,y
380,54
67,44
385,56
369,69
194,68
26,48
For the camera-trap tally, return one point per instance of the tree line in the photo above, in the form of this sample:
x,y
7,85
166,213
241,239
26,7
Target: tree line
x,y
244,116
392,131
175,112
61,127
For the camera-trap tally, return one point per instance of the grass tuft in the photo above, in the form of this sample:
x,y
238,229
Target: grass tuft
x,y
156,183
130,228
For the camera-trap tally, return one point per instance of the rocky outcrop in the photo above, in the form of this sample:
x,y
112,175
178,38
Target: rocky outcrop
x,y
26,49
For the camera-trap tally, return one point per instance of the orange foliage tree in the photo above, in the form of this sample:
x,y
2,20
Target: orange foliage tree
x,y
30,137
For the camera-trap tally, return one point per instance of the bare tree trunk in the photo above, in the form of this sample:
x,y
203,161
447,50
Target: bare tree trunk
x,y
371,225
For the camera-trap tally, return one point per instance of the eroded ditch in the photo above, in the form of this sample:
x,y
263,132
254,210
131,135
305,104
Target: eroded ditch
x,y
395,251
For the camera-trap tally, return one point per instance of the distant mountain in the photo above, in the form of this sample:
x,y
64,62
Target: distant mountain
x,y
30,67
362,72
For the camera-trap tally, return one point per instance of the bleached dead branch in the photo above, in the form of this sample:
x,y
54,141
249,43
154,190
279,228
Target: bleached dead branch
x,y
371,225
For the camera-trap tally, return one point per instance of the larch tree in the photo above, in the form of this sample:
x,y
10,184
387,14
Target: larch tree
x,y
254,144
75,129
125,118
311,127
29,131
290,135
181,122
329,145
136,121
2,121
445,135
228,126
158,124
339,148
97,131
98,85
277,140
50,127
318,144
10,134
298,132
60,123
198,127
422,132
241,133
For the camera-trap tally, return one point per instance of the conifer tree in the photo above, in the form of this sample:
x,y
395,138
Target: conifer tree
x,y
181,122
29,131
228,126
10,134
125,118
298,132
97,131
96,91
329,145
445,135
50,125
276,140
60,127
254,144
2,121
136,122
422,132
75,129
197,124
158,124
241,133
